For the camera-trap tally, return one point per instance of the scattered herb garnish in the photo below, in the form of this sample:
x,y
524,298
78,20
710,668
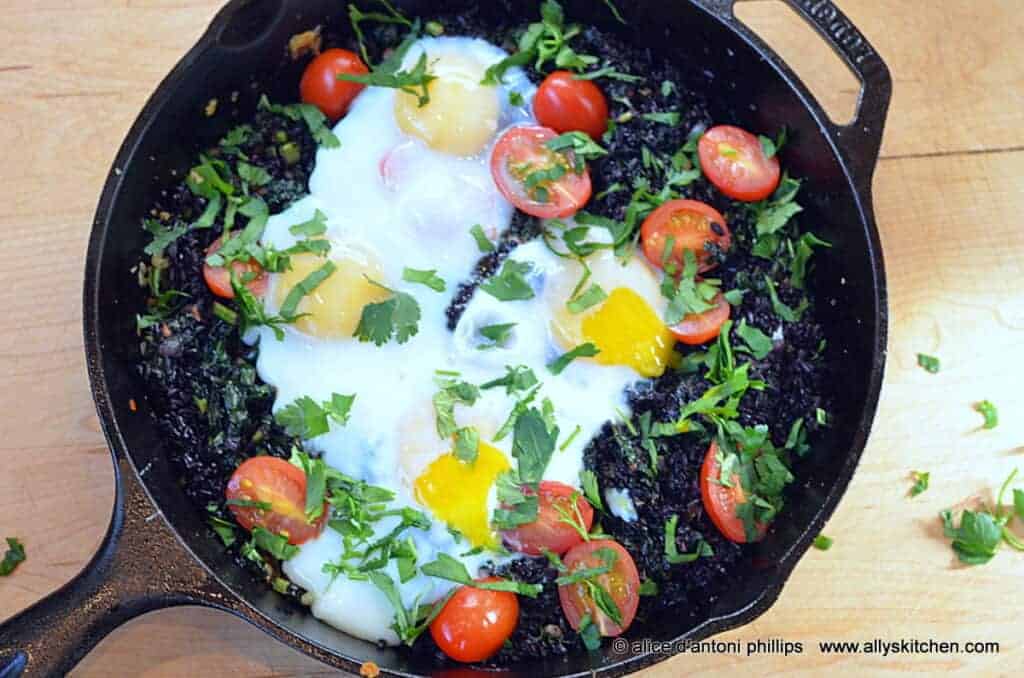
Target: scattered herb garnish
x,y
510,284
315,120
519,378
14,556
467,444
986,409
306,419
451,569
483,243
305,287
787,313
920,479
395,318
587,350
757,342
670,118
582,147
451,392
672,554
823,543
928,363
979,533
275,544
428,278
591,490
498,335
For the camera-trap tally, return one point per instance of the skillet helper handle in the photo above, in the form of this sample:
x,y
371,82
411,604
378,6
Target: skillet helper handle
x,y
861,139
140,566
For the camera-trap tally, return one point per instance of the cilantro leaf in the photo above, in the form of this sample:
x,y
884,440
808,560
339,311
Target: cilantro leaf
x,y
672,554
610,72
670,118
976,538
587,350
519,378
251,174
162,236
451,569
428,278
467,444
582,147
929,363
395,318
14,556
275,544
450,393
921,479
310,229
515,507
498,335
758,343
510,284
305,287
389,74
483,243
532,445
306,419
590,489
315,120
591,297
989,411
823,543
802,254
785,312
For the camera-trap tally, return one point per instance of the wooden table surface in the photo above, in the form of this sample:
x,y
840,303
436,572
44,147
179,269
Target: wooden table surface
x,y
949,196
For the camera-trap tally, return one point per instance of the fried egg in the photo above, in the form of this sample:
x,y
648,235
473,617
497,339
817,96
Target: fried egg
x,y
403,191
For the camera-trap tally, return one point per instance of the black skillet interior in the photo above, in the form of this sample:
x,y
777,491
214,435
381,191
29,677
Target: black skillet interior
x,y
244,52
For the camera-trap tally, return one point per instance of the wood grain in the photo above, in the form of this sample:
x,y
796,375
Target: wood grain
x,y
949,193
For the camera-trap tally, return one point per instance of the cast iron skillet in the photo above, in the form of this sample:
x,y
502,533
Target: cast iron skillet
x,y
158,553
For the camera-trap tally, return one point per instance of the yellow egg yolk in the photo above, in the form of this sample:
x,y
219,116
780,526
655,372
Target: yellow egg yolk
x,y
333,309
457,491
625,329
462,115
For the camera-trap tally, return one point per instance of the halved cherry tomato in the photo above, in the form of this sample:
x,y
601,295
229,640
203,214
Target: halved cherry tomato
x,y
697,328
520,156
549,531
475,623
566,104
219,280
732,158
276,482
691,224
720,501
622,582
320,85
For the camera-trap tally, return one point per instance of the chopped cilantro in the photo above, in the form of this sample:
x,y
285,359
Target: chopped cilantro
x,y
14,556
162,236
823,543
306,419
989,411
590,489
450,393
758,343
510,284
498,335
428,278
251,174
483,243
532,445
803,251
414,82
451,569
670,118
582,147
929,363
610,72
395,318
648,587
787,313
310,229
516,99
672,554
519,378
587,350
591,297
275,544
357,16
305,287
921,479
467,444
315,120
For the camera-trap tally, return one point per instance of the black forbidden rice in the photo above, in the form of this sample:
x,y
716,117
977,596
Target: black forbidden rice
x,y
214,412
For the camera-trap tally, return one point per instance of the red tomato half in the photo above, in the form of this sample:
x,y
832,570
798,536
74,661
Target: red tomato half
x,y
720,501
219,280
276,482
320,85
519,155
690,224
623,583
475,623
697,328
732,158
549,532
566,104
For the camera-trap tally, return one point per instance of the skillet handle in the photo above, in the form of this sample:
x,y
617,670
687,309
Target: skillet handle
x,y
140,566
860,140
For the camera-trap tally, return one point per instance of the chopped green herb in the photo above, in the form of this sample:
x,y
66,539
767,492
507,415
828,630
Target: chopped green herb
x,y
929,363
306,287
452,392
510,284
315,120
672,554
428,278
483,243
498,335
224,530
670,118
802,254
451,569
921,479
467,444
14,556
823,543
610,72
310,229
582,147
821,416
516,99
306,419
414,82
758,343
519,378
251,174
593,296
275,544
532,445
587,350
395,318
648,587
989,411
790,315
162,236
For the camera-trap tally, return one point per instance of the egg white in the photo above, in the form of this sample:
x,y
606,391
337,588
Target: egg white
x,y
413,207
